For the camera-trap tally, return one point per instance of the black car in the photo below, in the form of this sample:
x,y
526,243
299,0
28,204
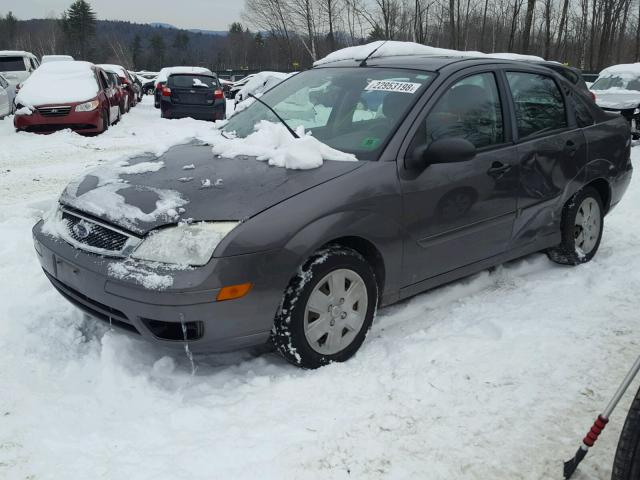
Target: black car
x,y
430,169
197,96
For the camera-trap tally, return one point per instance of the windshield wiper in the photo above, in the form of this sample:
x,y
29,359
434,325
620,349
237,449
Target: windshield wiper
x,y
295,135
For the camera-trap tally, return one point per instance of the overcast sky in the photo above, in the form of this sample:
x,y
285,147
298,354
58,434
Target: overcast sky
x,y
204,14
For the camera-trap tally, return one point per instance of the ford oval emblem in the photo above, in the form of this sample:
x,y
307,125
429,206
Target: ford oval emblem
x,y
81,230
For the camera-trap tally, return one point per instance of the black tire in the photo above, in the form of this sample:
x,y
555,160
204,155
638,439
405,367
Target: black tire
x,y
105,122
568,252
626,465
288,334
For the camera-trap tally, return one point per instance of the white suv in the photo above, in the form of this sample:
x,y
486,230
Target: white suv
x,y
16,66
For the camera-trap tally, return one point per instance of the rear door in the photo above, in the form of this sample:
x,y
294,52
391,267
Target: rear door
x,y
190,89
551,151
456,214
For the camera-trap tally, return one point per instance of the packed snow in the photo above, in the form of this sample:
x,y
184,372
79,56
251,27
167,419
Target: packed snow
x,y
497,376
59,82
272,142
388,48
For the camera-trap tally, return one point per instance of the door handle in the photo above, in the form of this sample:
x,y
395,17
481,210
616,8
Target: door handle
x,y
570,148
498,169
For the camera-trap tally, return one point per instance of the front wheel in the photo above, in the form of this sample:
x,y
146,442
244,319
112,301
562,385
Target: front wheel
x,y
327,309
581,228
626,465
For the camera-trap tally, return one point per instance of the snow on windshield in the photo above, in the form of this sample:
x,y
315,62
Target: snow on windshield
x,y
272,142
392,48
59,82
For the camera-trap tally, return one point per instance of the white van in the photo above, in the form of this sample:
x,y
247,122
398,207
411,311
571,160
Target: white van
x,y
16,66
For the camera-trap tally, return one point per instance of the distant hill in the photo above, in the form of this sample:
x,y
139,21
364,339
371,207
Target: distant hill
x,y
192,30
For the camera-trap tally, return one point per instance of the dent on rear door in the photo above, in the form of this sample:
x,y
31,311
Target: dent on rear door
x,y
547,167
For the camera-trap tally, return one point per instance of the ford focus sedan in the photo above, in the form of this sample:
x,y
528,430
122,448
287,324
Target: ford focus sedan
x,y
456,165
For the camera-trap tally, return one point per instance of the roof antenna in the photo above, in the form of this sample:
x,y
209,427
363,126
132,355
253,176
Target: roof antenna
x,y
363,63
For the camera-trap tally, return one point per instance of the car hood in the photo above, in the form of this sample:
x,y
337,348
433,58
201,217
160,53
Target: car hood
x,y
189,182
619,99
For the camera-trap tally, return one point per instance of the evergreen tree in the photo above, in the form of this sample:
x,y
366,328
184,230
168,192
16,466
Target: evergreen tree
x,y
79,27
157,51
136,51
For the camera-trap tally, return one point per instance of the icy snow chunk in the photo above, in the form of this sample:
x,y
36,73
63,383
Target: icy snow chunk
x,y
141,275
393,48
189,167
206,183
24,111
59,82
272,142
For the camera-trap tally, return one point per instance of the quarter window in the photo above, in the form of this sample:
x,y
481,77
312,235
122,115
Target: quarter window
x,y
584,118
538,102
470,109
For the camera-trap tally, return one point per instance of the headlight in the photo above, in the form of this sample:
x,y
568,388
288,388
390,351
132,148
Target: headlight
x,y
87,106
188,244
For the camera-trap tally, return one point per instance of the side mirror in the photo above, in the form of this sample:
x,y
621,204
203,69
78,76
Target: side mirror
x,y
444,150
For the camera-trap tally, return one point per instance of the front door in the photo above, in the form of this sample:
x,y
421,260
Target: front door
x,y
456,214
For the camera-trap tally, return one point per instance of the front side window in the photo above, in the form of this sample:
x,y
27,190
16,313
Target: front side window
x,y
354,110
538,103
469,109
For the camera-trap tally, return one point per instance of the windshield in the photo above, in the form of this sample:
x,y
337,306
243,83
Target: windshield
x,y
617,82
192,81
354,110
12,64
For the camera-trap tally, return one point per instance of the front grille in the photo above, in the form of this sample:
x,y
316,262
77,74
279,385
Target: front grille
x,y
54,111
96,309
93,234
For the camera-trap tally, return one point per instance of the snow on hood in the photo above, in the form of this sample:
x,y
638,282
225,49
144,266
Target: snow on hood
x,y
272,142
103,192
59,82
617,98
392,48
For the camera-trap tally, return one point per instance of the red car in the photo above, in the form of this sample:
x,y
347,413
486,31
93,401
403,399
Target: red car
x,y
126,81
63,95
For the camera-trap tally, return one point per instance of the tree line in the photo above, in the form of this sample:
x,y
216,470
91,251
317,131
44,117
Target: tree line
x,y
290,34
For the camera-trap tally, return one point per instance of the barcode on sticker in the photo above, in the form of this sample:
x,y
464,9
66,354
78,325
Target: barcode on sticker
x,y
392,86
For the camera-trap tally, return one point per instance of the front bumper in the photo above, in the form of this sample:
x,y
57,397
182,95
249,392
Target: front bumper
x,y
88,282
81,122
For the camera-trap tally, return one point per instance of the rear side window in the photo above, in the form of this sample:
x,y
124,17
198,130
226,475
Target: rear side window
x,y
470,109
538,102
12,64
192,81
584,118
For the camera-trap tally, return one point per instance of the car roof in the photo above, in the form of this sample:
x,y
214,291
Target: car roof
x,y
16,53
431,63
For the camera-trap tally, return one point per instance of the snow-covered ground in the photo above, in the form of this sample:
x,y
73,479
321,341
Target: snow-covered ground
x,y
494,377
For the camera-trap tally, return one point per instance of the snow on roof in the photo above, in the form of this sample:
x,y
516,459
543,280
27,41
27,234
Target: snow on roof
x,y
118,69
624,69
394,48
56,58
166,71
16,53
59,82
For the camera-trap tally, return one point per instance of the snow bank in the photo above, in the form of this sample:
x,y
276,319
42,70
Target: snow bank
x,y
59,82
272,142
392,48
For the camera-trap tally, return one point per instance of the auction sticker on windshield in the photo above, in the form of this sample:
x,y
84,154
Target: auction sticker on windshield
x,y
393,86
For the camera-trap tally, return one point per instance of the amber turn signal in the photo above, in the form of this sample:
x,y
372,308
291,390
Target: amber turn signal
x,y
233,291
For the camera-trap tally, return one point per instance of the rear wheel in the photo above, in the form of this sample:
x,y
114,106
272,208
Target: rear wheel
x,y
581,228
626,465
327,309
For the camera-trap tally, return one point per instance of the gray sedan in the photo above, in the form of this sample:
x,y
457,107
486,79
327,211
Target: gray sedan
x,y
462,164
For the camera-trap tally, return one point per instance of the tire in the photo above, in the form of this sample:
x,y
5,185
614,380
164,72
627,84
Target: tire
x,y
127,104
340,330
105,122
581,226
626,464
